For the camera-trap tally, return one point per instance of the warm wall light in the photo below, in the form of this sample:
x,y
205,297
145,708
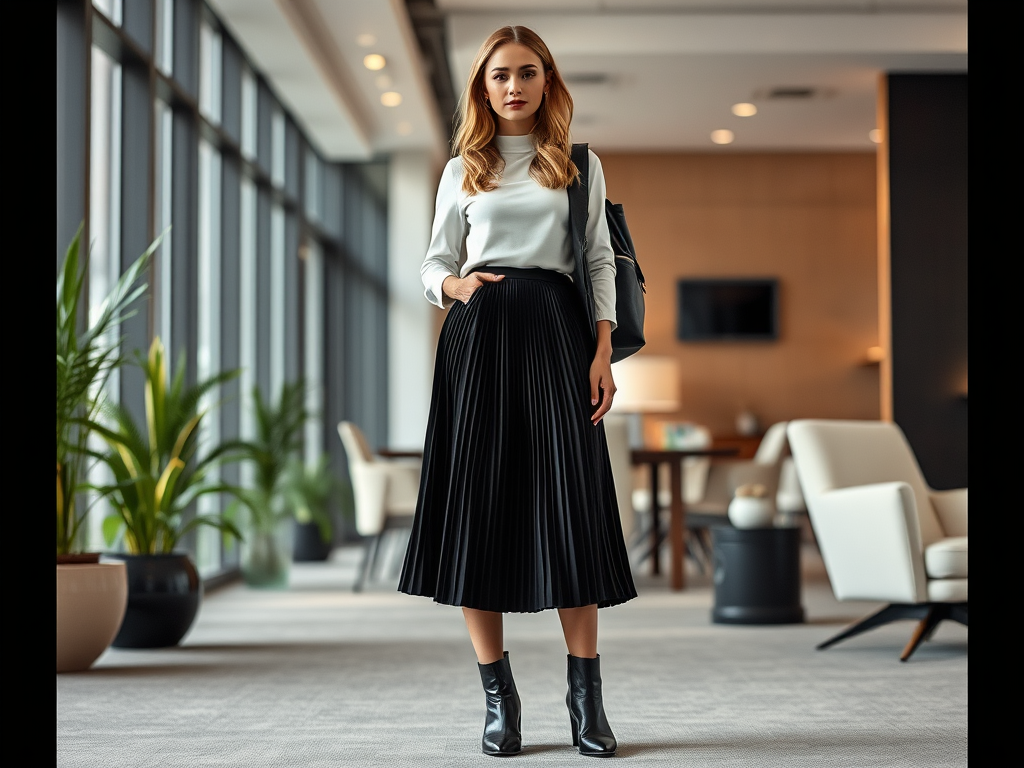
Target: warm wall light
x,y
391,98
744,109
875,354
722,136
366,39
374,61
875,135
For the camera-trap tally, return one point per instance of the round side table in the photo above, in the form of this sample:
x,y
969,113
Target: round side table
x,y
757,575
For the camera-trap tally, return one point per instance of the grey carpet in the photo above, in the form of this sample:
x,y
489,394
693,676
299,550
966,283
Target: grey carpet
x,y
319,676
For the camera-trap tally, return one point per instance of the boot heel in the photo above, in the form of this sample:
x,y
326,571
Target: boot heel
x,y
575,731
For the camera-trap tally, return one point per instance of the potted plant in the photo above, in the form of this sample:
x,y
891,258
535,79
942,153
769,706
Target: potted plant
x,y
309,490
158,471
91,596
263,511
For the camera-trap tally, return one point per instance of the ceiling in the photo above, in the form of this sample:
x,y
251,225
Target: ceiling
x,y
645,75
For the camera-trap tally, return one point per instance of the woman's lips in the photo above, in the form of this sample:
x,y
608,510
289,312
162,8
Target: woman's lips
x,y
515,104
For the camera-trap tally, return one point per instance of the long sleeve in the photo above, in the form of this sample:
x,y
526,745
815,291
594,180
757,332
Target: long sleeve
x,y
600,258
447,237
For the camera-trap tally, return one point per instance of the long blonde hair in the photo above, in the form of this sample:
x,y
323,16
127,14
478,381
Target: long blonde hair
x,y
474,137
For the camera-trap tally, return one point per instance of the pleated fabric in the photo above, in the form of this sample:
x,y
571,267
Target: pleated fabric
x,y
517,509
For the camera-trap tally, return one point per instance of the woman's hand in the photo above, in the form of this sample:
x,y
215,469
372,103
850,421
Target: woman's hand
x,y
463,288
602,387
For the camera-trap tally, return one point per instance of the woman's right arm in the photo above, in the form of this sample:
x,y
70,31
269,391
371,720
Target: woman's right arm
x,y
446,238
440,270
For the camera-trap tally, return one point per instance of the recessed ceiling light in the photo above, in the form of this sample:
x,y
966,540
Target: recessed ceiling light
x,y
404,128
374,61
744,109
366,39
722,136
875,135
383,81
391,98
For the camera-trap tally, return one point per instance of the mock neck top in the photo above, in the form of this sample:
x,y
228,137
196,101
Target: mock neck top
x,y
518,224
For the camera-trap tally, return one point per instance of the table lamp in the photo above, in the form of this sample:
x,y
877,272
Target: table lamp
x,y
645,384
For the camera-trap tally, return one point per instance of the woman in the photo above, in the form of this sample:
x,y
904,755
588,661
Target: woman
x,y
516,509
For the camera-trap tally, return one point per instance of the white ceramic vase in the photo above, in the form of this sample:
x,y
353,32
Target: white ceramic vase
x,y
751,512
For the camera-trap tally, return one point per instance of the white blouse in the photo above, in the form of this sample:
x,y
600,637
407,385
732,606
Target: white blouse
x,y
518,224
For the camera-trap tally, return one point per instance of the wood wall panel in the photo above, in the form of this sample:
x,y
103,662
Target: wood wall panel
x,y
808,219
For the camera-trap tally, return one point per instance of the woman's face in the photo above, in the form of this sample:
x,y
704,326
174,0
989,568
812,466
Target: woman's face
x,y
515,83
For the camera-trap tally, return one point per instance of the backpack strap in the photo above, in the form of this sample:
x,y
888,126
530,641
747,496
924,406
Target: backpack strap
x,y
579,212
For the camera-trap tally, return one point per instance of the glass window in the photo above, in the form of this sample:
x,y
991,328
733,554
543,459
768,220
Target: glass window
x,y
163,120
277,300
277,135
210,78
165,36
112,9
313,321
208,349
247,307
248,114
104,229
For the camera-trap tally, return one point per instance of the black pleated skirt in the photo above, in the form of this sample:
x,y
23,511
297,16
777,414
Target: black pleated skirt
x,y
517,509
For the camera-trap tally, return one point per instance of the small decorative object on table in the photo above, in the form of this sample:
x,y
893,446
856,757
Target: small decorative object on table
x,y
746,423
751,507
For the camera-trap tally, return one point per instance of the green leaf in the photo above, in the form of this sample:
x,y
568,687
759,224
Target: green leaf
x,y
112,528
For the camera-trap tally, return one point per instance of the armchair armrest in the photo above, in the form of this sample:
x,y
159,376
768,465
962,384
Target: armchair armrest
x,y
951,507
870,540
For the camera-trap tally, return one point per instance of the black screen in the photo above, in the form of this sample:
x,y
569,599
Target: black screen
x,y
727,310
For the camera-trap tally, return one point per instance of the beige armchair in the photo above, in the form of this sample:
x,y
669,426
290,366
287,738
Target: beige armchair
x,y
883,533
385,494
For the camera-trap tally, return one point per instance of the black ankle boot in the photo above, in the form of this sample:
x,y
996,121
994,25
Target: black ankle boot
x,y
503,726
590,729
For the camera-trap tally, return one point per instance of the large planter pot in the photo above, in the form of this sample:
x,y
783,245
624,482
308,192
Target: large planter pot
x,y
91,601
164,592
310,546
267,556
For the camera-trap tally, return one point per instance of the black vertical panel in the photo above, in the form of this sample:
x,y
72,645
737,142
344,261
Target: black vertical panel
x,y
265,103
230,303
184,240
332,203
186,45
230,311
292,158
73,57
137,21
927,137
231,90
334,368
136,189
292,303
263,277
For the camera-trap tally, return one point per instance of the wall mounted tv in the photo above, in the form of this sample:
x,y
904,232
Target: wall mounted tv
x,y
726,309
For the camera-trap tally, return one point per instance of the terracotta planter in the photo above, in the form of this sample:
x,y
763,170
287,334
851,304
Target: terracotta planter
x,y
164,592
91,602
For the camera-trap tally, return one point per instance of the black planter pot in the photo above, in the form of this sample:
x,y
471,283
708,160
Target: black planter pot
x,y
163,598
309,547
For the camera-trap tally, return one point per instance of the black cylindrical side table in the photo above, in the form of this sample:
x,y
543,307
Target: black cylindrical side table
x,y
757,575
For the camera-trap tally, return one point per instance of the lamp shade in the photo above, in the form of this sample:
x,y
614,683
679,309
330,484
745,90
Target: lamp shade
x,y
646,384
